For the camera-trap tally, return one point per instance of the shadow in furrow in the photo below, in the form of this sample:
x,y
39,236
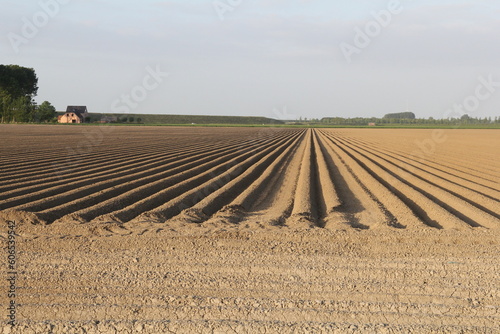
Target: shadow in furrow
x,y
414,207
350,205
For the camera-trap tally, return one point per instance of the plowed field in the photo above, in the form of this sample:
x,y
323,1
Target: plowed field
x,y
152,229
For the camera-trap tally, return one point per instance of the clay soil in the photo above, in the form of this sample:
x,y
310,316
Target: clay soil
x,y
250,230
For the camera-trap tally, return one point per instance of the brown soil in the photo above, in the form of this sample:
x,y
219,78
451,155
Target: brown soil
x,y
246,230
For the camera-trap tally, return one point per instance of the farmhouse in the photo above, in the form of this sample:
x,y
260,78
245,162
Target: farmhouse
x,y
74,114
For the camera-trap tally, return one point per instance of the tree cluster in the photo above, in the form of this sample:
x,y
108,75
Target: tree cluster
x,y
401,115
363,121
18,87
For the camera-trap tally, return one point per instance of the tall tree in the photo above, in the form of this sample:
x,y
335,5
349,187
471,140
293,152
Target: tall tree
x,y
18,86
18,81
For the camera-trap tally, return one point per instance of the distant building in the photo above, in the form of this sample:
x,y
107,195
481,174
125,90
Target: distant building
x,y
372,124
74,114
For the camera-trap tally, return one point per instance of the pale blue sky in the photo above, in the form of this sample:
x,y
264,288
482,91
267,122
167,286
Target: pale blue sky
x,y
272,58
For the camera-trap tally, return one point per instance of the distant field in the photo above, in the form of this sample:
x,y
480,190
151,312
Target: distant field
x,y
279,230
182,119
238,121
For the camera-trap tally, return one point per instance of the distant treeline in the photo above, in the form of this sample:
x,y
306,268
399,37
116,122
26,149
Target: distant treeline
x,y
390,119
178,119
